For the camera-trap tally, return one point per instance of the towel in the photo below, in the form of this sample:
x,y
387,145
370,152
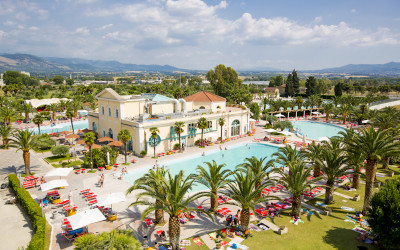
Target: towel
x,y
262,226
197,241
347,208
380,175
321,204
254,227
347,220
185,243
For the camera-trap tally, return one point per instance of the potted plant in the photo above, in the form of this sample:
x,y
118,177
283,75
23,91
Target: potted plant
x,y
143,153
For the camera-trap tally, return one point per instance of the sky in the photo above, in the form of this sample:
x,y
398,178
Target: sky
x,y
200,34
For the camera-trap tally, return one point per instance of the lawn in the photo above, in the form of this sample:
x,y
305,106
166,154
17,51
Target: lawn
x,y
57,158
71,164
318,231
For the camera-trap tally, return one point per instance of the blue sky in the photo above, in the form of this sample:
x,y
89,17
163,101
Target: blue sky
x,y
196,34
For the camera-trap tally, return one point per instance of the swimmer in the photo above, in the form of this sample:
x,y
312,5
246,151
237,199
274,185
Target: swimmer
x,y
226,148
220,147
223,155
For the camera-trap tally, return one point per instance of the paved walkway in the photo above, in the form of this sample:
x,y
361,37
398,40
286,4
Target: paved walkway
x,y
343,195
386,104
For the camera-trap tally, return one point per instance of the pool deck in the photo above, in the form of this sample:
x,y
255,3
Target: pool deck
x,y
128,217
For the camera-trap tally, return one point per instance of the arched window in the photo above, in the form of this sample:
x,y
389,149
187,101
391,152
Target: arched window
x,y
109,112
102,110
116,113
94,127
235,128
218,107
202,107
110,133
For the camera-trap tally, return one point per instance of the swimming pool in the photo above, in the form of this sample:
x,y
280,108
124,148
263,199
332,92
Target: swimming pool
x,y
315,130
231,157
64,126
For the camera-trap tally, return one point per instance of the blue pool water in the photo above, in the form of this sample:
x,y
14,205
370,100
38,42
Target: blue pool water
x,y
232,157
65,126
315,130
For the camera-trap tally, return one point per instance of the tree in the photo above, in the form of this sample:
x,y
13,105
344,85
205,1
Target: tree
x,y
178,128
385,213
69,82
283,124
89,139
296,182
245,195
258,167
299,101
214,178
60,150
289,85
296,83
175,201
271,119
26,108
152,182
7,113
344,111
202,124
221,123
255,109
375,145
58,80
69,113
116,239
154,134
328,108
223,80
314,152
53,108
338,89
75,105
124,136
289,157
44,142
38,120
5,132
24,140
311,86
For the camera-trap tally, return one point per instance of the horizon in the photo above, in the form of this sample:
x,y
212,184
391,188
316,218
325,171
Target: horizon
x,y
198,35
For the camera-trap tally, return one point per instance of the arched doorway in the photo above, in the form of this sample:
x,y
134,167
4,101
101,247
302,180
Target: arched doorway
x,y
94,127
110,133
235,128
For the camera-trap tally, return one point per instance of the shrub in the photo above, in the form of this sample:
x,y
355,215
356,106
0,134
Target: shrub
x,y
34,212
197,143
60,151
100,157
176,146
385,214
116,239
143,153
44,142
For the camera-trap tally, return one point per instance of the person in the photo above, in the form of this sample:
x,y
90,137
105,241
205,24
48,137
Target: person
x,y
247,234
226,148
203,154
220,147
70,196
101,181
229,220
163,236
183,146
42,180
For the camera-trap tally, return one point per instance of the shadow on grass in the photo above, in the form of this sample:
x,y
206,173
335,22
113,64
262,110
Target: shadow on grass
x,y
340,238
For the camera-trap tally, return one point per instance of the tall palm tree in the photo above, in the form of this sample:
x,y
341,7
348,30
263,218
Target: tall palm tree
x,y
69,113
175,200
7,112
221,123
288,156
214,178
89,139
296,183
62,104
373,146
314,151
178,128
124,136
258,167
154,134
53,109
38,120
24,140
344,111
75,105
332,163
328,108
5,133
152,182
265,101
26,108
202,124
299,101
245,195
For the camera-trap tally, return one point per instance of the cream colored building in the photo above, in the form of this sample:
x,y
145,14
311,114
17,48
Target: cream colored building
x,y
139,113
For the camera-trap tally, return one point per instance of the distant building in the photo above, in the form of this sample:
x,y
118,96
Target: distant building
x,y
260,83
272,92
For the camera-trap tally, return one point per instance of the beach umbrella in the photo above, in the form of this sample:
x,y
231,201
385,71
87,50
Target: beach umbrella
x,y
270,130
279,115
115,144
316,113
53,184
323,138
59,172
84,218
80,142
365,121
86,130
94,146
105,139
110,199
287,133
72,136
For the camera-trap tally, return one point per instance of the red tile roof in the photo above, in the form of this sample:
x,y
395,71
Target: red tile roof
x,y
204,96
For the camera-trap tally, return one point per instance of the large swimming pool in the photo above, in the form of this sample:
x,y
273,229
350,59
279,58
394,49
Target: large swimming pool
x,y
315,130
61,127
231,157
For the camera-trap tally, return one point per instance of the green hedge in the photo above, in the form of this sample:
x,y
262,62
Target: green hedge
x,y
33,210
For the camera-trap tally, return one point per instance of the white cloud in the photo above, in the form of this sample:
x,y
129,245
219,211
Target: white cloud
x,y
9,23
82,31
34,28
318,19
2,34
104,27
353,10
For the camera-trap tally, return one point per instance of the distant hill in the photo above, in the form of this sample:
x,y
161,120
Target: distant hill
x,y
390,69
30,63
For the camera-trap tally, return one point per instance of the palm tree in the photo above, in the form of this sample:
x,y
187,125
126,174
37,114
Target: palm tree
x,y
75,105
154,134
245,195
38,120
221,123
373,146
7,112
53,108
265,101
332,164
299,102
63,104
344,111
89,139
69,113
355,161
258,167
214,178
328,108
5,132
178,128
314,151
24,140
124,136
296,183
175,200
26,108
202,124
289,157
152,182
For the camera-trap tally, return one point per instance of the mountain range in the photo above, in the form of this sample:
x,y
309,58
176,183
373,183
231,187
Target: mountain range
x,y
36,64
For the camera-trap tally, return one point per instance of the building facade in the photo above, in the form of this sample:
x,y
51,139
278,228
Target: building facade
x,y
140,113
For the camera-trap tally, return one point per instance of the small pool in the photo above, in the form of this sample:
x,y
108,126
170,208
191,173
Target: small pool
x,y
315,130
64,126
231,157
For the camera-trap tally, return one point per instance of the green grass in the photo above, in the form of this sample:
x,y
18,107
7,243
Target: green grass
x,y
92,171
41,150
125,164
72,163
56,158
25,175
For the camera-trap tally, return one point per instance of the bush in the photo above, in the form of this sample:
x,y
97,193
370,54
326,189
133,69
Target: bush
x,y
34,212
197,143
143,153
44,142
116,239
100,157
60,151
385,214
176,146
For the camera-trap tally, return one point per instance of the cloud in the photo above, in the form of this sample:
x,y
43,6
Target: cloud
x,y
22,8
318,19
353,10
82,31
9,23
2,34
34,28
104,27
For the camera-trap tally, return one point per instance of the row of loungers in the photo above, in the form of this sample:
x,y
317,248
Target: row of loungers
x,y
90,197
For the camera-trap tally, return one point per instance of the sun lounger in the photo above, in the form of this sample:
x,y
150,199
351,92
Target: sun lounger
x,y
31,178
92,202
201,208
88,194
274,189
77,171
28,184
280,186
262,213
101,168
161,234
91,197
148,222
85,191
224,212
65,202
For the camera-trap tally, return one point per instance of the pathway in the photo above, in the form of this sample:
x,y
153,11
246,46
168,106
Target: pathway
x,y
312,208
343,195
